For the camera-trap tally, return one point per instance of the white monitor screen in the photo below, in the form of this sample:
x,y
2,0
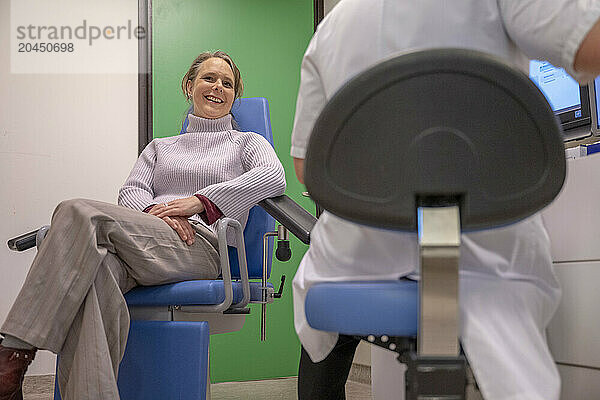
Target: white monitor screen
x,y
560,89
569,101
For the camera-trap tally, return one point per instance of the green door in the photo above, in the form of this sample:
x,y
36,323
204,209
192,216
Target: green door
x,y
267,39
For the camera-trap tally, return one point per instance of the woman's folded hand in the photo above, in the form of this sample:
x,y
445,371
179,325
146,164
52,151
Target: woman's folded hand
x,y
185,207
183,228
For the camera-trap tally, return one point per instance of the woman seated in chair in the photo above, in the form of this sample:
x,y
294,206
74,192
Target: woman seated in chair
x,y
162,231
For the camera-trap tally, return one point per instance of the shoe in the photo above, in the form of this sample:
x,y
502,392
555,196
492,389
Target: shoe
x,y
13,364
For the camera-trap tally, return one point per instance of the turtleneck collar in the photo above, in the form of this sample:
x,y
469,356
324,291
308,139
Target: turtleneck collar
x,y
199,124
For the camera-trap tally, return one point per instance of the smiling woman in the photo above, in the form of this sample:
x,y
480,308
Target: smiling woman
x,y
162,230
213,82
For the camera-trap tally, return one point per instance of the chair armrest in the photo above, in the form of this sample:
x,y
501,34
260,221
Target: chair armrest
x,y
291,215
28,240
23,242
222,225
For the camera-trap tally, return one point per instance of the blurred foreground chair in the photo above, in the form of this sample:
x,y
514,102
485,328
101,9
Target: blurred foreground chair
x,y
434,142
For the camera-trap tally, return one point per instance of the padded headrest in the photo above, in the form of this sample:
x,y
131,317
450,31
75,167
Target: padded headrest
x,y
437,123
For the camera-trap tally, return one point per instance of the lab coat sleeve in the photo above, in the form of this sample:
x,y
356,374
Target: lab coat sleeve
x,y
544,29
310,102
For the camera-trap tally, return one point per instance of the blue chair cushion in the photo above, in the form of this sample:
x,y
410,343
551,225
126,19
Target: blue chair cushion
x,y
189,293
364,308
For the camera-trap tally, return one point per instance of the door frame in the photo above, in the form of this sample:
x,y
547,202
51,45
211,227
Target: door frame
x,y
145,75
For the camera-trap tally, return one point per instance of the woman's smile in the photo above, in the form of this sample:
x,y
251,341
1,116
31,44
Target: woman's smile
x,y
213,89
214,99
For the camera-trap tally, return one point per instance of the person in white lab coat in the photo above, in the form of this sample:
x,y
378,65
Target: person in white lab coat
x,y
508,291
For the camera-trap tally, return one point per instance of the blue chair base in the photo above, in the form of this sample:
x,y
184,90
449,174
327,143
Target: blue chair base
x,y
164,360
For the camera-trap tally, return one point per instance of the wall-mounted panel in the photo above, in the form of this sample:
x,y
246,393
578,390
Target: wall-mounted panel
x,y
573,332
572,220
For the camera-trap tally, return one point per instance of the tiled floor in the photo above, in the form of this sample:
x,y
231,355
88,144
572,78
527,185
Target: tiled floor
x,y
277,389
38,387
41,388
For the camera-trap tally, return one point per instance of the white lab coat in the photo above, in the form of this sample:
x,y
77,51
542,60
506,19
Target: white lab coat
x,y
508,291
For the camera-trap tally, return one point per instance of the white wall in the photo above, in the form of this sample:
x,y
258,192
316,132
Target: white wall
x,y
61,136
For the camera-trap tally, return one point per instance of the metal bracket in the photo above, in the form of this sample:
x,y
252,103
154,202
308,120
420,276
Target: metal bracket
x,y
265,292
222,226
41,235
270,295
439,244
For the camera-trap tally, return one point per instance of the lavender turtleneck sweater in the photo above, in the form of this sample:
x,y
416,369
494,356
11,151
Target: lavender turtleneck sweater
x,y
235,170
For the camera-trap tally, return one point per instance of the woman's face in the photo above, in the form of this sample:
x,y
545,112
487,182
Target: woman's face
x,y
213,89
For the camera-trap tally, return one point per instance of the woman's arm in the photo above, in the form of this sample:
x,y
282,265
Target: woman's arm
x,y
137,192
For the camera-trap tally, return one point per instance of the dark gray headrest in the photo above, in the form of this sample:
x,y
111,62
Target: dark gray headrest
x,y
447,122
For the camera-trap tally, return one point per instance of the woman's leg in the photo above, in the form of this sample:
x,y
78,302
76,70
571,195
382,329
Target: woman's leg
x,y
95,343
67,280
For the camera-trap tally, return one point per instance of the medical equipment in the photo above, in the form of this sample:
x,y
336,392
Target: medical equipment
x,y
570,101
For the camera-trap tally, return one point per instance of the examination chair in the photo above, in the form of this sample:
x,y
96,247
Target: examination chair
x,y
167,348
434,142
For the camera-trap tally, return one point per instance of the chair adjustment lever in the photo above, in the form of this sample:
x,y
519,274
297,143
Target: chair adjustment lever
x,y
237,311
280,291
283,251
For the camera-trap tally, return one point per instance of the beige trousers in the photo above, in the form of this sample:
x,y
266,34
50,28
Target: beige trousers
x,y
72,302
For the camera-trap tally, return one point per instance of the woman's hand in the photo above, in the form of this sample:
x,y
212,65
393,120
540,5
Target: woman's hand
x,y
183,228
175,214
178,208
